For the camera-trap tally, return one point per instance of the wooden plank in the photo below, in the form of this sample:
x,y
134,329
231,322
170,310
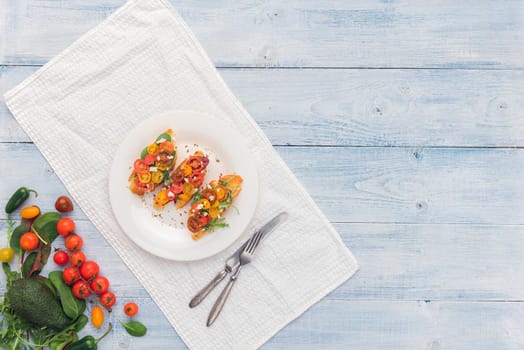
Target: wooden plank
x,y
434,262
380,185
452,34
398,262
363,107
340,325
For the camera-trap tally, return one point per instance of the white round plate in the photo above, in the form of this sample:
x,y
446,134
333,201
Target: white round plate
x,y
164,233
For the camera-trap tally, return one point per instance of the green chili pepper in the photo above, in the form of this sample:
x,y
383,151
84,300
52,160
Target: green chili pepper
x,y
88,342
18,198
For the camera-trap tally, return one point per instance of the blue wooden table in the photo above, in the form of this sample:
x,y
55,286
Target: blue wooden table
x,y
413,110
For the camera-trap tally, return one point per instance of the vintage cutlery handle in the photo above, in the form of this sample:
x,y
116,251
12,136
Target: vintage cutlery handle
x,y
219,304
197,299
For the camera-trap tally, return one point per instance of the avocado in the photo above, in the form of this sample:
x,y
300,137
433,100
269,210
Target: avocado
x,y
34,302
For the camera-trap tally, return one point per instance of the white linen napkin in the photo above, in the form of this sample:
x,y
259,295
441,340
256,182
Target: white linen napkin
x,y
141,61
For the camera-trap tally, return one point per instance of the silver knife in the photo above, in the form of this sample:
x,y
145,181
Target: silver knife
x,y
233,261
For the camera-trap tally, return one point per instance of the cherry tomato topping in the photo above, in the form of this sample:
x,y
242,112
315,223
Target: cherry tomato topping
x,y
150,159
107,299
196,179
73,242
144,178
29,241
77,258
157,177
130,309
61,258
166,147
99,284
89,270
193,224
63,204
145,187
203,220
70,274
81,289
141,166
198,163
152,148
177,187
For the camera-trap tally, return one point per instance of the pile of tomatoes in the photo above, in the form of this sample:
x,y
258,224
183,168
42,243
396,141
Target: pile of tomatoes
x,y
81,274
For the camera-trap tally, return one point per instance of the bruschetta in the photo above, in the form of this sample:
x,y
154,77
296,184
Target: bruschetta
x,y
184,182
210,203
154,164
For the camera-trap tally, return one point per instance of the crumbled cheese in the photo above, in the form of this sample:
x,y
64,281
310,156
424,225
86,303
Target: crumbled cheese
x,y
186,179
157,157
170,157
153,169
161,140
200,206
211,198
205,213
170,194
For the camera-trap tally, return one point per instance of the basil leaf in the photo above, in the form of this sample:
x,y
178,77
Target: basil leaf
x,y
135,328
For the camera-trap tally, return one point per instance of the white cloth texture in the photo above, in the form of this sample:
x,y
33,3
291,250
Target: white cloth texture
x,y
141,61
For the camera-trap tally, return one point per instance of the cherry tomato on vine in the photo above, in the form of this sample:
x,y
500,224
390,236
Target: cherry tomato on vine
x,y
29,241
65,226
61,258
130,309
70,275
99,284
73,242
81,289
63,204
77,258
89,270
107,299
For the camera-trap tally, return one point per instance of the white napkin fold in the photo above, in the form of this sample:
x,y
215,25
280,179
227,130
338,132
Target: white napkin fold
x,y
141,61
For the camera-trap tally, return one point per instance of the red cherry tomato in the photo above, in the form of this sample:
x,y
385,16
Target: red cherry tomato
x,y
130,309
203,220
70,275
63,204
140,166
150,159
73,242
61,258
99,284
65,226
77,258
89,270
107,299
177,187
81,289
29,241
197,178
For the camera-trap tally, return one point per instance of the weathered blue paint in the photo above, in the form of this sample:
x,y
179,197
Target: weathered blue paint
x,y
425,165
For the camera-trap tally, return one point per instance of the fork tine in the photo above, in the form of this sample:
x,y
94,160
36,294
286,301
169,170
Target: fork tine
x,y
255,241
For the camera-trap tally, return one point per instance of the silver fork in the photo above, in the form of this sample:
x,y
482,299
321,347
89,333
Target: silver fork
x,y
245,258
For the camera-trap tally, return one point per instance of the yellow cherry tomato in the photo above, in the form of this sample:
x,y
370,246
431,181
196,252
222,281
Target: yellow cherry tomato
x,y
221,192
205,203
30,212
188,189
152,148
187,169
157,177
144,178
6,254
214,212
97,316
